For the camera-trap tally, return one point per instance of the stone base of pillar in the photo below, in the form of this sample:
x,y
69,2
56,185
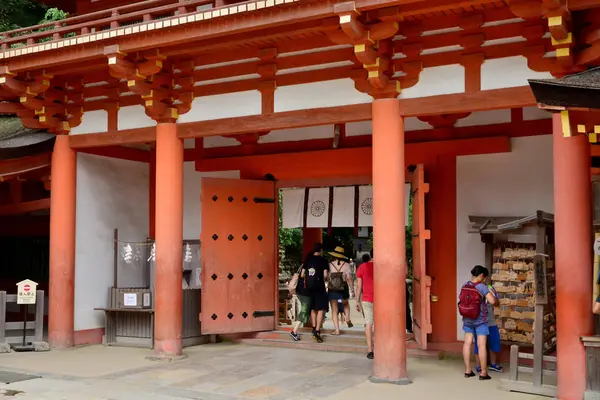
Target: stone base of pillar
x,y
404,381
165,358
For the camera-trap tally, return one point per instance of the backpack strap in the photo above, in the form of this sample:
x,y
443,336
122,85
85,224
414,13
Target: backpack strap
x,y
336,270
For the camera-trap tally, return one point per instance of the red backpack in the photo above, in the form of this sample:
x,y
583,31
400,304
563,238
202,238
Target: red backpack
x,y
469,301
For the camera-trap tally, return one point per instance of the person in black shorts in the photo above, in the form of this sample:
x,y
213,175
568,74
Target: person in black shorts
x,y
314,274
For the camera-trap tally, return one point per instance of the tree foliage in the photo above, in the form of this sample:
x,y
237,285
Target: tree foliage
x,y
15,14
290,244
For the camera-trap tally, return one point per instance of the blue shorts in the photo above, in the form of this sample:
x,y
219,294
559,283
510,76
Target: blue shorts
x,y
493,342
477,330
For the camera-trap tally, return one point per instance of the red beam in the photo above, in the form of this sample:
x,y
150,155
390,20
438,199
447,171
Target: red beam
x,y
25,207
24,164
486,100
511,130
355,162
121,152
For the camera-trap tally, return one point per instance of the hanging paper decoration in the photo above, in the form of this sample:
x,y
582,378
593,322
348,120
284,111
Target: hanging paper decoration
x,y
293,208
127,253
188,253
152,253
318,208
343,207
365,206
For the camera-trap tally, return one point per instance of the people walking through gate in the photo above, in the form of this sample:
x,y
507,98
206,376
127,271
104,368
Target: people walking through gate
x,y
340,282
314,274
474,311
364,301
493,342
304,298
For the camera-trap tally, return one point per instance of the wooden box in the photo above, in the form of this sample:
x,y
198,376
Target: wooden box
x,y
134,298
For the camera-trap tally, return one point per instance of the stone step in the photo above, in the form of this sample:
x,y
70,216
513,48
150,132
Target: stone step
x,y
345,338
307,343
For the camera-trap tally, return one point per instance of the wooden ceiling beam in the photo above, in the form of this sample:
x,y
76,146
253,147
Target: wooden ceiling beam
x,y
25,207
343,162
24,164
511,130
433,105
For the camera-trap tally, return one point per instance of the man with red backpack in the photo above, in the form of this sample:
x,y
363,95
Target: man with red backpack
x,y
473,308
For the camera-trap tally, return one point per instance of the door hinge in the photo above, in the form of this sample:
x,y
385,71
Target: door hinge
x,y
259,200
261,314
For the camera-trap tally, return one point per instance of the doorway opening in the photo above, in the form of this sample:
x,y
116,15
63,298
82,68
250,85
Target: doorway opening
x,y
296,242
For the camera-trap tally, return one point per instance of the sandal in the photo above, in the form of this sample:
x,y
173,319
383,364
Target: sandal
x,y
470,374
336,333
350,324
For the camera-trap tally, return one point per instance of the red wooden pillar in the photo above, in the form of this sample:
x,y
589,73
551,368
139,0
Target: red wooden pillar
x,y
310,236
169,241
61,305
389,243
573,238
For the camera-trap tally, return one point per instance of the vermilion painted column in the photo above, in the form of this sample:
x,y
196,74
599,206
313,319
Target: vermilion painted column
x,y
310,236
389,242
573,238
61,305
169,241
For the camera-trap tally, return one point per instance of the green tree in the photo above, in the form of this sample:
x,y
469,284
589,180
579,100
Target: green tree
x,y
290,244
16,14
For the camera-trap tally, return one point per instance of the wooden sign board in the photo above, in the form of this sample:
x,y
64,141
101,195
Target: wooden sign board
x,y
26,292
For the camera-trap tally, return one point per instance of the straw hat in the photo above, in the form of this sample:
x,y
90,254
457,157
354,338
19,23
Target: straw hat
x,y
338,252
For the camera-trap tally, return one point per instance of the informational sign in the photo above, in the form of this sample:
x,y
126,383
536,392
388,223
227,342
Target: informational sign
x,y
26,291
130,299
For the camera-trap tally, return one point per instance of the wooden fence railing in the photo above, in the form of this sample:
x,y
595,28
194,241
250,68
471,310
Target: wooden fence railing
x,y
100,21
534,382
12,332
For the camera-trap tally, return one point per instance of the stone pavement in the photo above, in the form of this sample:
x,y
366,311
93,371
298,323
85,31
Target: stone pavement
x,y
228,372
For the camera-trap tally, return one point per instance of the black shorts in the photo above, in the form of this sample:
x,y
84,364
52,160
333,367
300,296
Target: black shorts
x,y
346,291
319,301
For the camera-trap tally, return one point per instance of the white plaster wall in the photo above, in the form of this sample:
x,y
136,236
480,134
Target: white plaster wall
x,y
223,106
338,92
508,72
92,122
111,194
447,79
134,117
507,184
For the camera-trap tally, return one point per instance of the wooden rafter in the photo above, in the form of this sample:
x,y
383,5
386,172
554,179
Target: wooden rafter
x,y
25,207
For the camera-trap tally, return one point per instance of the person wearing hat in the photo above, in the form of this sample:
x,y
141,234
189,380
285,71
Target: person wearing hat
x,y
340,282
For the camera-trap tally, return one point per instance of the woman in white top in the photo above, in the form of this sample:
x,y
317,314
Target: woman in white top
x,y
340,284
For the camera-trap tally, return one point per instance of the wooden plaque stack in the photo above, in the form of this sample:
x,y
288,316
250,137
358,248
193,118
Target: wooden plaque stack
x,y
523,279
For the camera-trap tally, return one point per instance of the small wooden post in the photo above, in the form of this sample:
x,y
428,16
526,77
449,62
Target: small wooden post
x,y
541,299
2,316
514,363
39,316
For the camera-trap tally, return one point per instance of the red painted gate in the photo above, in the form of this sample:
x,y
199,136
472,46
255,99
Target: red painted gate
x,y
421,282
238,242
